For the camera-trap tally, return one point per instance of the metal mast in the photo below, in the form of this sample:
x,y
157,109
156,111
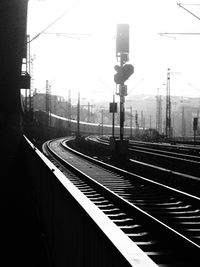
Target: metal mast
x,y
78,116
168,107
48,101
69,109
183,122
159,113
131,122
29,68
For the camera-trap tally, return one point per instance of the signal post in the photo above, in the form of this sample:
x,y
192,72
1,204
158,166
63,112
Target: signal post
x,y
123,72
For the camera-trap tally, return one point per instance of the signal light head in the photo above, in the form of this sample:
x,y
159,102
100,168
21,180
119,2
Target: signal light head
x,y
123,73
117,68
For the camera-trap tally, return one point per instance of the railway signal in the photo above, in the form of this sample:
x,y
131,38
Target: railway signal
x,y
122,40
123,73
124,70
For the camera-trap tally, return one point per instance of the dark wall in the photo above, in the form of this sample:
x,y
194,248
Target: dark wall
x,y
72,237
13,21
17,224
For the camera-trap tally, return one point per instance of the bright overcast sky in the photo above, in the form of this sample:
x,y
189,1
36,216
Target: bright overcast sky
x,y
84,61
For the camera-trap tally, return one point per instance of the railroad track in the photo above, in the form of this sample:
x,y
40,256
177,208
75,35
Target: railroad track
x,y
169,157
163,222
193,150
174,154
176,169
175,161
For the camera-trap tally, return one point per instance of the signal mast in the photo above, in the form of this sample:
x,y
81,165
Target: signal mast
x,y
124,71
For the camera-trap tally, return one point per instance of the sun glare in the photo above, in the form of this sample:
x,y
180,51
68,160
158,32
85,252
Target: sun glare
x,y
76,47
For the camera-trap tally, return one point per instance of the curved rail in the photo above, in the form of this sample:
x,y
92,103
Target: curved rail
x,y
179,171
170,214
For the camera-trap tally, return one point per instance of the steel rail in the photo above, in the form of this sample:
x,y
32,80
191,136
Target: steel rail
x,y
187,166
132,254
150,216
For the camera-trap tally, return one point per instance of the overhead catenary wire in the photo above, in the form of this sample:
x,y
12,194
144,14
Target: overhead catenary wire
x,y
77,36
56,20
184,33
136,86
186,4
196,88
68,33
181,5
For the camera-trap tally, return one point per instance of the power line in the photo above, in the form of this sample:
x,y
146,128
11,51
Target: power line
x,y
189,4
193,86
101,81
51,24
184,33
181,5
67,33
136,85
61,35
77,36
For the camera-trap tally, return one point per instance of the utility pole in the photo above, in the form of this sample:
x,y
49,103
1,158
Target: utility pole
x,y
102,122
183,122
88,119
50,105
92,115
158,112
168,106
48,102
25,75
29,69
29,74
68,112
89,106
78,116
150,122
136,123
150,129
113,118
131,122
142,120
88,110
